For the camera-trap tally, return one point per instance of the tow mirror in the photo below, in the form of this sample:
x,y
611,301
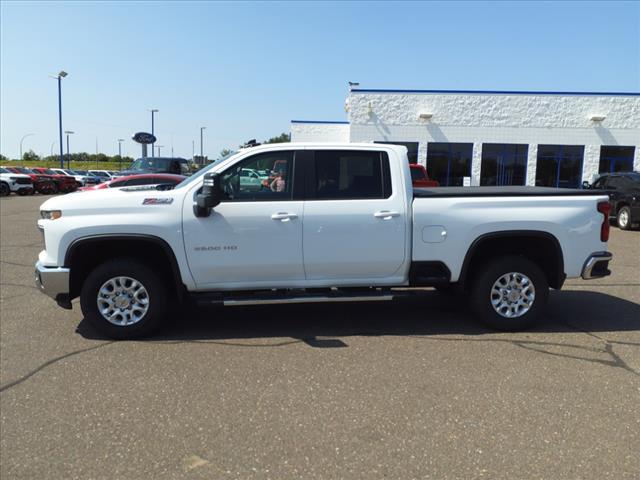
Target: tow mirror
x,y
210,196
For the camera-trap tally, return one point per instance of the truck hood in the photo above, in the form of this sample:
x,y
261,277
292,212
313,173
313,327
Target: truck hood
x,y
111,200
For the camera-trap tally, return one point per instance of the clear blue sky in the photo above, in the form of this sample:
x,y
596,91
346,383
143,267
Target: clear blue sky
x,y
245,70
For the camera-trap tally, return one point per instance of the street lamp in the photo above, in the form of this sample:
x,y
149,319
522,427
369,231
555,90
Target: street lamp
x,y
159,147
120,140
27,135
60,76
153,110
201,150
68,132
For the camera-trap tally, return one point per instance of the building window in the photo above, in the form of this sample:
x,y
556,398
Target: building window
x,y
503,164
449,163
559,166
412,149
616,159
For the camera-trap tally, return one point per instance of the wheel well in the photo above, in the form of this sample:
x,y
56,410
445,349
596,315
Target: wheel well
x,y
620,205
541,248
85,255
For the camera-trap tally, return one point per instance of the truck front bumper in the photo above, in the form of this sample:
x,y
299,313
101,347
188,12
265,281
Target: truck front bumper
x,y
597,265
54,282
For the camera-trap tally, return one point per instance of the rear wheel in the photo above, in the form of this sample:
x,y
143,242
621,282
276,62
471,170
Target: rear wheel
x,y
509,293
123,298
623,218
5,191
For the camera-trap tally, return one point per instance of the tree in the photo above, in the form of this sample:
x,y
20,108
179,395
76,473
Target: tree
x,y
3,158
282,138
30,156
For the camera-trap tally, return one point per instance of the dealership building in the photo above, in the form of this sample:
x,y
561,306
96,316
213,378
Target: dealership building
x,y
557,139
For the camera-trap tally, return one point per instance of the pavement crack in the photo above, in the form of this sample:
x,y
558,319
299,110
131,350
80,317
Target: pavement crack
x,y
48,363
17,264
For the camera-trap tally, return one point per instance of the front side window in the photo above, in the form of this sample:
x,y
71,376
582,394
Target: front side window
x,y
263,177
449,163
350,175
559,166
503,164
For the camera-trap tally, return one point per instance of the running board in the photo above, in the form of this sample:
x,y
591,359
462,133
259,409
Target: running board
x,y
292,298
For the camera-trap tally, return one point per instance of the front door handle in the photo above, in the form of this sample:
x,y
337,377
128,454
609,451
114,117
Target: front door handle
x,y
283,216
386,214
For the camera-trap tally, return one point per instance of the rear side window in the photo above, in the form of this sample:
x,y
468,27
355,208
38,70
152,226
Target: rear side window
x,y
351,175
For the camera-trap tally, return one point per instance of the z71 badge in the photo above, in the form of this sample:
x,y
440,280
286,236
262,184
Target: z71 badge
x,y
157,201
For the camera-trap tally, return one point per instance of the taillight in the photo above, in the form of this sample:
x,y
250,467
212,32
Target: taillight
x,y
604,208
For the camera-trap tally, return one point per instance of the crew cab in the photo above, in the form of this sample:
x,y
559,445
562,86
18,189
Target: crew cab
x,y
343,224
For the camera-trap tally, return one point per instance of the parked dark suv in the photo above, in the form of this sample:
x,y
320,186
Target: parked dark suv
x,y
624,194
179,166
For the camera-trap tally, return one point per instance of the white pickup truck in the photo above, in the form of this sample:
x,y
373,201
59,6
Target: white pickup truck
x,y
331,222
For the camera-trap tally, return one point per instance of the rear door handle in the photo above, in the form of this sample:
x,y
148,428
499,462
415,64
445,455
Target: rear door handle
x,y
283,216
386,214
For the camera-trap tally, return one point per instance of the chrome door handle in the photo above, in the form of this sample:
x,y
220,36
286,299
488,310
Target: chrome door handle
x,y
283,216
386,214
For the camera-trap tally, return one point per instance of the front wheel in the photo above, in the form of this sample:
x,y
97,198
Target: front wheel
x,y
123,298
624,218
509,293
5,191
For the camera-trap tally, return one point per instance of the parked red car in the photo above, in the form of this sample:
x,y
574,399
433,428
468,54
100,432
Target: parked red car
x,y
135,180
65,183
44,184
419,177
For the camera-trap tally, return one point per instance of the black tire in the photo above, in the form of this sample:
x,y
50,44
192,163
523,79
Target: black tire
x,y
125,267
481,293
5,191
623,218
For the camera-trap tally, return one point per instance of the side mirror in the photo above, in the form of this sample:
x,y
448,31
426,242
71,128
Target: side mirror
x,y
586,185
210,196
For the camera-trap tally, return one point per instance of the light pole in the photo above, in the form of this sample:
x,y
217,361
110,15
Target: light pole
x,y
201,149
159,147
27,135
60,76
153,110
51,152
120,140
68,132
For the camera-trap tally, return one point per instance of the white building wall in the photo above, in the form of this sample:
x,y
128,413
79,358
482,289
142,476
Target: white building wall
x,y
302,131
479,118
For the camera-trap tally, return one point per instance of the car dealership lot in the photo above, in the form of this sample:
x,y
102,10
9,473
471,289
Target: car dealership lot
x,y
413,390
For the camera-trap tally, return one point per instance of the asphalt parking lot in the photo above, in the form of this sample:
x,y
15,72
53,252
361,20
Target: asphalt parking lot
x,y
412,389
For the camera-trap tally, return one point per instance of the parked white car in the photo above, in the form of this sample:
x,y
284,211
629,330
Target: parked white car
x,y
83,180
14,182
341,222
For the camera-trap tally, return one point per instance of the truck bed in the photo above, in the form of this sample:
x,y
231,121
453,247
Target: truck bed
x,y
441,192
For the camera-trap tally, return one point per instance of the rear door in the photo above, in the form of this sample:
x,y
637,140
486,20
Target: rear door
x,y
354,221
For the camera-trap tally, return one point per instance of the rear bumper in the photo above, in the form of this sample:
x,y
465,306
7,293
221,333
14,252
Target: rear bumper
x,y
53,282
597,265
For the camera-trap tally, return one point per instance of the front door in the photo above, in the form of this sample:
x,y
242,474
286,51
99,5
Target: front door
x,y
253,238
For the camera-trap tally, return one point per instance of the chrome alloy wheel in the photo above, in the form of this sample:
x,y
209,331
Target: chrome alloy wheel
x,y
623,218
512,295
123,301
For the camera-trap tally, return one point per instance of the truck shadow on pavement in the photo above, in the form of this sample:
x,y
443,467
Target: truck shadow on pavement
x,y
430,314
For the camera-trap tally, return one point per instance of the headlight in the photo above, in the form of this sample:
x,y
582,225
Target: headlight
x,y
50,214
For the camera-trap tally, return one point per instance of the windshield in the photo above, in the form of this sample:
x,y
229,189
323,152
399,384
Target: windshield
x,y
204,170
50,172
71,172
81,172
23,170
147,164
3,170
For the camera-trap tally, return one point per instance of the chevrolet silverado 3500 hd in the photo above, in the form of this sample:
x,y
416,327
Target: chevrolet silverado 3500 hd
x,y
334,222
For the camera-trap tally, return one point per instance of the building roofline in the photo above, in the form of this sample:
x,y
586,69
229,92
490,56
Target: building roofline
x,y
335,122
499,92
